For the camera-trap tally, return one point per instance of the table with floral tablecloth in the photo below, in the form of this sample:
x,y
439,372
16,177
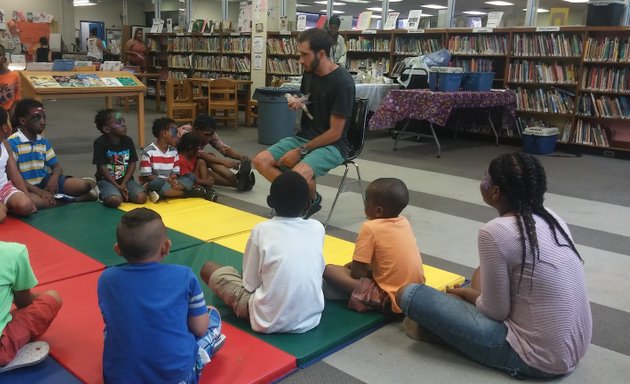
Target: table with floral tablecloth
x,y
435,107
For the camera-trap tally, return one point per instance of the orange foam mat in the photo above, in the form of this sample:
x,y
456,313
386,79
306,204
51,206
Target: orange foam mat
x,y
50,259
200,218
76,342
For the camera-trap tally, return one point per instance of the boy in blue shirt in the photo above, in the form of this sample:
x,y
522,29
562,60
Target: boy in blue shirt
x,y
144,304
38,163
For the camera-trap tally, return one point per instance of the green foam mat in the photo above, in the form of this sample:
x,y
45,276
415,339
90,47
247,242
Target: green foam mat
x,y
338,326
91,229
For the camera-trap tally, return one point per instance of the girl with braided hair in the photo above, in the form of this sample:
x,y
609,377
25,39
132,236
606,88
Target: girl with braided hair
x,y
527,311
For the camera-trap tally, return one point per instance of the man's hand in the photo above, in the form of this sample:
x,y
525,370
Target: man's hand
x,y
291,158
295,105
232,164
46,195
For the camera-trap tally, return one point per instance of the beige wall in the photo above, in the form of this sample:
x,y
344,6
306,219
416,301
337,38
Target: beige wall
x,y
201,9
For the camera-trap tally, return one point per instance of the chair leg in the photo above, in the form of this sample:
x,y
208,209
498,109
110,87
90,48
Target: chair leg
x,y
356,166
341,186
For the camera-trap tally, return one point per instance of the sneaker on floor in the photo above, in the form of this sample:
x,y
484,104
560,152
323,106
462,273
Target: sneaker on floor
x,y
62,197
154,196
197,192
29,354
242,176
211,195
316,206
252,181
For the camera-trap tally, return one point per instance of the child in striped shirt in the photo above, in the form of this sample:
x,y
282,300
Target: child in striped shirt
x,y
159,164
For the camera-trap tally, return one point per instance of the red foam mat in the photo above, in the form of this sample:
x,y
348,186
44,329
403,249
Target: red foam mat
x,y
51,259
76,342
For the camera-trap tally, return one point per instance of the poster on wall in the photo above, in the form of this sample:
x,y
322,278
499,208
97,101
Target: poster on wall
x,y
245,16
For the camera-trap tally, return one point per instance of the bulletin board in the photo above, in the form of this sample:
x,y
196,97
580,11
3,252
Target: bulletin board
x,y
31,32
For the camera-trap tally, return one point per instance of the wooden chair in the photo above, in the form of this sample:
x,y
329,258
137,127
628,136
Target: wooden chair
x,y
223,101
253,113
179,103
198,88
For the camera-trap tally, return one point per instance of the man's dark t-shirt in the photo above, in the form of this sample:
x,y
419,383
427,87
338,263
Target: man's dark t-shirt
x,y
332,94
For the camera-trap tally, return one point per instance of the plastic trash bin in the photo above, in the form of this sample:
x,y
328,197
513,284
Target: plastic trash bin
x,y
275,120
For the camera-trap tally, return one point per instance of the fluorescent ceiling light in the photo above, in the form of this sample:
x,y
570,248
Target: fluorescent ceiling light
x,y
82,3
357,1
426,15
540,10
324,2
334,11
378,9
474,12
298,5
376,16
576,1
501,3
395,1
434,6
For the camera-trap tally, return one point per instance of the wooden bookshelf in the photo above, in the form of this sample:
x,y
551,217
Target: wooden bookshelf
x,y
282,57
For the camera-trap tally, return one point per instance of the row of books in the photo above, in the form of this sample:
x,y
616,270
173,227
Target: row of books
x,y
180,61
80,80
544,100
474,64
222,63
551,44
237,45
194,44
205,74
524,71
607,79
417,46
368,44
282,46
607,49
604,106
367,64
284,66
591,134
478,44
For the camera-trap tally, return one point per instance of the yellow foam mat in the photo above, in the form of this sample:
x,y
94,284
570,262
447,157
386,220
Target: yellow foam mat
x,y
339,252
200,218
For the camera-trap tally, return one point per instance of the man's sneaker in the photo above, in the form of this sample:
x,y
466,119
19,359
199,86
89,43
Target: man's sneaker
x,y
197,192
242,176
316,206
154,196
211,195
64,198
251,182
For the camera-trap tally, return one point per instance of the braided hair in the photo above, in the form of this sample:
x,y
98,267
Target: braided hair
x,y
522,180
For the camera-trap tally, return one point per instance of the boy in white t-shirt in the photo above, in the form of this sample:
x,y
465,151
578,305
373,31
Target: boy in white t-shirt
x,y
280,290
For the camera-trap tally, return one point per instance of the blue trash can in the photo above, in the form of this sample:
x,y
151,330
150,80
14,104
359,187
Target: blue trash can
x,y
275,120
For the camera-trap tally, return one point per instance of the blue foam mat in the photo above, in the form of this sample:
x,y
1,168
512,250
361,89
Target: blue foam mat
x,y
46,372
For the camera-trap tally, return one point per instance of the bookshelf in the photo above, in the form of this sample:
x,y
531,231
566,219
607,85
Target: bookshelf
x,y
414,43
603,111
282,57
367,51
206,55
543,69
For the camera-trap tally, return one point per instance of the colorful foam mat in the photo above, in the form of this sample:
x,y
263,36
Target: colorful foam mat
x,y
46,372
338,325
201,219
50,259
91,229
76,340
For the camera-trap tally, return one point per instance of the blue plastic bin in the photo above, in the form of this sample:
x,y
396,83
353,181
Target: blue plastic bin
x,y
477,81
445,82
540,140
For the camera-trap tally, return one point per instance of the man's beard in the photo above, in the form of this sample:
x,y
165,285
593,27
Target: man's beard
x,y
314,64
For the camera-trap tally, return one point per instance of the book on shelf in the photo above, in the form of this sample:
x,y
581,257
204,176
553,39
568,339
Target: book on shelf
x,y
111,82
559,16
90,80
301,22
321,22
345,23
43,81
67,81
157,26
494,19
365,18
413,20
126,81
390,23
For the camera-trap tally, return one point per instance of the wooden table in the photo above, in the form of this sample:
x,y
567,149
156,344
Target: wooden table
x,y
39,85
243,84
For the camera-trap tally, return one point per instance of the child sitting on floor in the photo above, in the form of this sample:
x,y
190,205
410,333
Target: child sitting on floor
x,y
13,191
115,158
157,326
281,286
38,163
386,256
33,313
159,163
188,147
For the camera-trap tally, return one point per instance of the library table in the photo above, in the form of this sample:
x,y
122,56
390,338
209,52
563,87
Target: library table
x,y
436,108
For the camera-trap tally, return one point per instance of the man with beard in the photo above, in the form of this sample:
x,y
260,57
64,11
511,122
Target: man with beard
x,y
327,101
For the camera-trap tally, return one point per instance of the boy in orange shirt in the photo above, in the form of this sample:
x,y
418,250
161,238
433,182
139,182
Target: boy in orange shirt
x,y
386,256
9,83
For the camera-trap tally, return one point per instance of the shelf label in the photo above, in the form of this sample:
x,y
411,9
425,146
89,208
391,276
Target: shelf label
x,y
369,31
206,34
482,30
547,29
415,31
235,34
180,34
285,33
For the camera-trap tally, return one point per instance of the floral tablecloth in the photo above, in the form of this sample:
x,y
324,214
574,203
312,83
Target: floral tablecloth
x,y
435,107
